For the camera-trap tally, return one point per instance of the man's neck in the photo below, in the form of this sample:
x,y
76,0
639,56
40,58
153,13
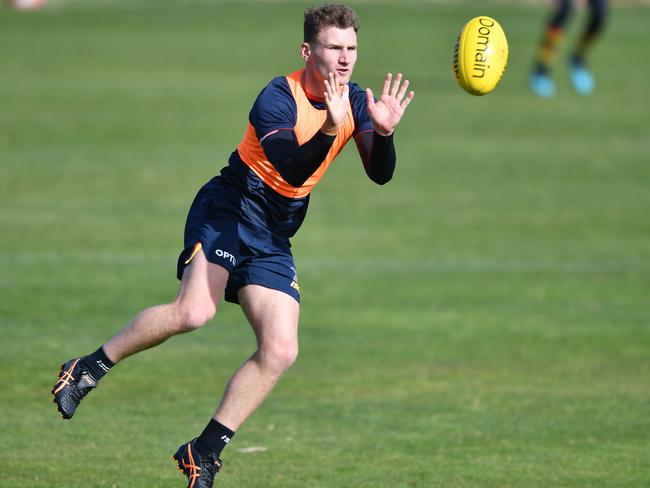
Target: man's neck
x,y
313,89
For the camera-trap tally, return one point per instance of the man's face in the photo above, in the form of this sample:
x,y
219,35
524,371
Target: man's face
x,y
335,51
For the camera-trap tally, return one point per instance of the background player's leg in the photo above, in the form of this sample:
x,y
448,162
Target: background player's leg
x,y
541,82
581,77
201,290
594,27
274,318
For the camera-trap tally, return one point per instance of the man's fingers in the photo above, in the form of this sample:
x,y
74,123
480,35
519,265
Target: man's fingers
x,y
336,86
393,91
345,93
387,80
370,98
402,90
326,94
332,88
407,100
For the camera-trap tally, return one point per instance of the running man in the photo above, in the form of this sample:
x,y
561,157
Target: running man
x,y
239,225
582,79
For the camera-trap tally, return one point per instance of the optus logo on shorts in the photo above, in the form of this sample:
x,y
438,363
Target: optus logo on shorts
x,y
226,255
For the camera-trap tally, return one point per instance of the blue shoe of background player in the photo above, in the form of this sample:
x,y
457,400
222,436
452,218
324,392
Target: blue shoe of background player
x,y
581,77
541,84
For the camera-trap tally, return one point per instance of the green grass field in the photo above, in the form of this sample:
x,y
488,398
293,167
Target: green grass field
x,y
481,321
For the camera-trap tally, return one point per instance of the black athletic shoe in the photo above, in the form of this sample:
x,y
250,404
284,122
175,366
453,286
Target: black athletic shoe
x,y
200,470
73,385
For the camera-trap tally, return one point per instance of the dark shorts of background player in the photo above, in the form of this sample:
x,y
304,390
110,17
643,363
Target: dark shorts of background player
x,y
227,218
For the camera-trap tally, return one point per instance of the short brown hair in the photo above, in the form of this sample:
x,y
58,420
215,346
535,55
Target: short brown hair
x,y
328,15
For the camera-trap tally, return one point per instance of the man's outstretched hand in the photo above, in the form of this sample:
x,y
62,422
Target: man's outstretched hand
x,y
386,112
337,100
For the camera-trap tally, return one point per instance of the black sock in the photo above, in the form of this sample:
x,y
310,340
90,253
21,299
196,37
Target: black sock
x,y
97,364
577,59
541,68
214,438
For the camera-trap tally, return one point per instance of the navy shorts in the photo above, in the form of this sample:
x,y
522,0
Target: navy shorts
x,y
233,222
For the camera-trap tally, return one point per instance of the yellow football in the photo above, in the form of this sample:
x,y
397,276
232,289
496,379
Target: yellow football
x,y
480,55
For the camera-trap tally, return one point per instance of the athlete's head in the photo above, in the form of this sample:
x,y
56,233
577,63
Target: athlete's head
x,y
330,42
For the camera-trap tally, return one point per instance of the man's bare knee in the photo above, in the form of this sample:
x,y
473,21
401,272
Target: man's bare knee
x,y
279,355
194,316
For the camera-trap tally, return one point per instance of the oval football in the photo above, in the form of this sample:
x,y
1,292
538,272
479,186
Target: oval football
x,y
480,55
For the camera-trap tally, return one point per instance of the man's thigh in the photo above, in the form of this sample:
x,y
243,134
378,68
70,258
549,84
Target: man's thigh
x,y
273,314
203,281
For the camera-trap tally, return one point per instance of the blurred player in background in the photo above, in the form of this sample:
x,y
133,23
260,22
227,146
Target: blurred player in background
x,y
25,4
582,79
239,225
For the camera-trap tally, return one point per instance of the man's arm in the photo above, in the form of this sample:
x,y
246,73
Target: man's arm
x,y
296,163
377,154
376,121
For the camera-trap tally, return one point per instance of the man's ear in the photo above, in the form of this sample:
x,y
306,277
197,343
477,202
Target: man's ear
x,y
305,51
